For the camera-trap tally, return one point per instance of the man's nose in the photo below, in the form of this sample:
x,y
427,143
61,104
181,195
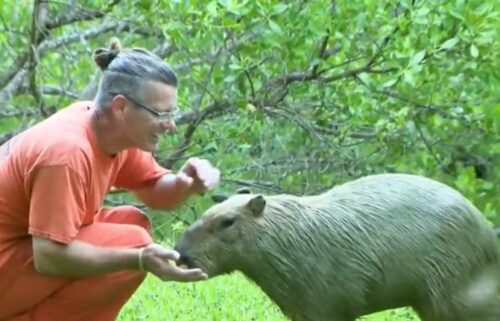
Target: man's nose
x,y
169,125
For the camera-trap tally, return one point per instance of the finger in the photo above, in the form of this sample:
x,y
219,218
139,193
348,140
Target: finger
x,y
205,173
201,164
212,178
209,175
189,166
169,254
215,178
185,179
192,162
178,274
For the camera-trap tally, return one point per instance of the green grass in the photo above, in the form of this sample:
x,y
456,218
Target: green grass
x,y
225,298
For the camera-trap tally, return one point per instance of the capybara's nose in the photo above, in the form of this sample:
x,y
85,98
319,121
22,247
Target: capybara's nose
x,y
186,261
183,257
178,249
182,260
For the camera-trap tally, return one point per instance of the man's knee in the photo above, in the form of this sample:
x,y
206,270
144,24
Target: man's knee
x,y
115,234
135,215
125,214
137,236
94,298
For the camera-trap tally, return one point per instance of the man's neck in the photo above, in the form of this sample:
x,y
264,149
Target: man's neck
x,y
106,134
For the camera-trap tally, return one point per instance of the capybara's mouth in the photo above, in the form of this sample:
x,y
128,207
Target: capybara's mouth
x,y
186,261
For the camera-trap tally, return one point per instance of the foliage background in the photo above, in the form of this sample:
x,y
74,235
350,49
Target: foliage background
x,y
284,97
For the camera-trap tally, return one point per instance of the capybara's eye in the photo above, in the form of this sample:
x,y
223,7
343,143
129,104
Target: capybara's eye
x,y
227,222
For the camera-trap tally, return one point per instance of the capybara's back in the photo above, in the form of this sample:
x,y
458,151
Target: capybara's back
x,y
378,242
405,240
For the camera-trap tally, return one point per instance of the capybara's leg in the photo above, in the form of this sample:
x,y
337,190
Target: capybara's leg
x,y
444,311
484,315
452,310
426,314
330,318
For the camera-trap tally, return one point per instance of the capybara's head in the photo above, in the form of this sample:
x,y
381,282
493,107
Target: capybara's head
x,y
217,240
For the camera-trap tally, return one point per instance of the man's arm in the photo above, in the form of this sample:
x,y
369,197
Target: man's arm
x,y
168,191
81,259
195,177
57,210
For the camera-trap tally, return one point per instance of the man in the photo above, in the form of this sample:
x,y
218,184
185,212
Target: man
x,y
62,256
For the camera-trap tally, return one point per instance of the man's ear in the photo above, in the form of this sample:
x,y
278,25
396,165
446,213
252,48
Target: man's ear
x,y
118,105
256,205
219,198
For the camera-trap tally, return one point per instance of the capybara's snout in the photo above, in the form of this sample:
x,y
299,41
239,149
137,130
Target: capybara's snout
x,y
184,257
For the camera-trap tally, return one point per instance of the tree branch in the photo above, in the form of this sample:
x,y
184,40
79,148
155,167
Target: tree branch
x,y
426,143
196,120
12,87
58,91
86,34
269,186
25,64
20,112
38,33
324,42
80,15
17,66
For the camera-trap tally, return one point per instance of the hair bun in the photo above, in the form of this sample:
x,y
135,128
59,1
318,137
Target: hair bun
x,y
115,44
104,56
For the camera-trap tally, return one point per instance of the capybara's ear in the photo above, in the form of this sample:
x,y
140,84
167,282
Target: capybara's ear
x,y
219,198
243,190
256,205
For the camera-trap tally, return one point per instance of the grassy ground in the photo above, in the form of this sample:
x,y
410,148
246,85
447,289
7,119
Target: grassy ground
x,y
228,298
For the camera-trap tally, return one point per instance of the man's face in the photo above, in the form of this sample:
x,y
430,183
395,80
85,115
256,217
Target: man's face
x,y
149,119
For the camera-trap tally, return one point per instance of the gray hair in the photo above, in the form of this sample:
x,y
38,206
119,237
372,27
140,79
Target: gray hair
x,y
127,71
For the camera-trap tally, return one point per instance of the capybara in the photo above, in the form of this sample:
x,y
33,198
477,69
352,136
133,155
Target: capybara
x,y
375,243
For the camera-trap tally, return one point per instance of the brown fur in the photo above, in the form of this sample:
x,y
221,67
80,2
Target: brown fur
x,y
379,242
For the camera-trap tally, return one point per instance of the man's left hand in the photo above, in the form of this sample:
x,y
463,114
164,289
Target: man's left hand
x,y
199,175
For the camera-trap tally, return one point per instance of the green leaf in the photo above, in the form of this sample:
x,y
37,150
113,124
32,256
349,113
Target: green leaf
x,y
417,58
235,66
488,185
212,8
389,83
274,26
145,4
279,9
365,77
408,77
450,43
230,5
212,146
474,52
456,14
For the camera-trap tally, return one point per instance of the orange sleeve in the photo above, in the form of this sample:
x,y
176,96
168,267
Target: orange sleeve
x,y
138,170
57,206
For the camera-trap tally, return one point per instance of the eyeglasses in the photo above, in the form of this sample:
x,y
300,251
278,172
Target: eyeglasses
x,y
161,116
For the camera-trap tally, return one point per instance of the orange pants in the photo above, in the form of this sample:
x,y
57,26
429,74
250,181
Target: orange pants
x,y
35,297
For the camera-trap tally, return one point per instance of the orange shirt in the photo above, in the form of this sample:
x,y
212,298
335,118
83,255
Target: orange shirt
x,y
53,179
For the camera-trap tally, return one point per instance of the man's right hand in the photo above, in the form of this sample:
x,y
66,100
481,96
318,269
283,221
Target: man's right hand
x,y
156,259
